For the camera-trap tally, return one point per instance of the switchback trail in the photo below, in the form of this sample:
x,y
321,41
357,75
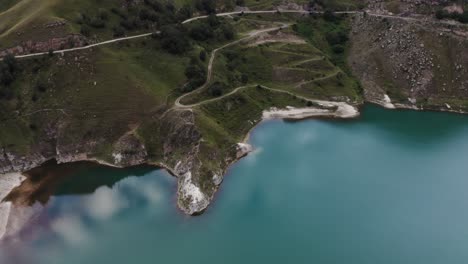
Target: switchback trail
x,y
213,56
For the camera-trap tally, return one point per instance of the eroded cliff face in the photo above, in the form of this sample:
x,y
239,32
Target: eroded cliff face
x,y
181,149
178,146
414,64
198,165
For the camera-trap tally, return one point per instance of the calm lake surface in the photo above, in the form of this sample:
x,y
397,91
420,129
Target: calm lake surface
x,y
391,187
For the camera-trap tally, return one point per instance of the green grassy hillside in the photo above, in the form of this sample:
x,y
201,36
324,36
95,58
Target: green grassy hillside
x,y
119,103
308,60
95,95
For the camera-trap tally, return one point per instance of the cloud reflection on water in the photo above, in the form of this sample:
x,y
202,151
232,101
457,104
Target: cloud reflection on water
x,y
105,202
71,220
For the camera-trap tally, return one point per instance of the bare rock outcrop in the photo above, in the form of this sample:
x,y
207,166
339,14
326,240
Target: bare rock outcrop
x,y
182,156
415,64
129,151
405,6
71,41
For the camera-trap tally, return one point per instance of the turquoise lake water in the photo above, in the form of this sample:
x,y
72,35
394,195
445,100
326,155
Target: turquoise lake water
x,y
388,188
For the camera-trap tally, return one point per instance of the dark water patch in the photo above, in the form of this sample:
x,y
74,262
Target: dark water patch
x,y
76,178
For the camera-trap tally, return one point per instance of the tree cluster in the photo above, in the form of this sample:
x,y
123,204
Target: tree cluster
x,y
208,6
196,75
217,89
211,28
329,16
337,40
96,20
146,14
211,6
174,39
9,70
443,14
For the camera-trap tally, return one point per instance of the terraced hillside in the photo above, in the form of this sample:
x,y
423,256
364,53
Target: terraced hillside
x,y
296,67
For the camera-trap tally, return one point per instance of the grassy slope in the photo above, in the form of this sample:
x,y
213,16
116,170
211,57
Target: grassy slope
x,y
95,96
226,122
28,18
311,69
22,20
22,16
6,4
103,93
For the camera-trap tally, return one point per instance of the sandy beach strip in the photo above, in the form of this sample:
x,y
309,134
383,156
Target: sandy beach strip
x,y
343,110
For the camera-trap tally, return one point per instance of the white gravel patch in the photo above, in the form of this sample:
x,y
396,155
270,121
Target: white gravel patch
x,y
387,102
343,110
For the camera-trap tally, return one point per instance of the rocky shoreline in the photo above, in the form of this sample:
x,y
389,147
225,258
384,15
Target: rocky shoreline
x,y
187,189
388,104
11,164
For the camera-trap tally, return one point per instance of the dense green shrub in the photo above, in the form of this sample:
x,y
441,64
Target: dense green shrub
x,y
196,74
174,40
9,69
216,89
442,14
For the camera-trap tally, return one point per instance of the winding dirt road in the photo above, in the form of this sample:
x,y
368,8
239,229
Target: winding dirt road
x,y
225,15
250,35
86,47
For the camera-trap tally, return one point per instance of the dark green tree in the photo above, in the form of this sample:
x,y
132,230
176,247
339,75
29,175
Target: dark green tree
x,y
174,40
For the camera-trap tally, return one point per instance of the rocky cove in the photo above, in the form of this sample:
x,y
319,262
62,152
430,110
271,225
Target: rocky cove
x,y
182,137
403,68
187,190
326,215
25,191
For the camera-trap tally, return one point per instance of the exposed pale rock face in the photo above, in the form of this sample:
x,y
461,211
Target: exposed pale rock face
x,y
117,157
196,201
243,149
454,8
71,41
129,151
404,6
7,183
387,102
217,178
5,165
184,138
424,60
21,163
191,199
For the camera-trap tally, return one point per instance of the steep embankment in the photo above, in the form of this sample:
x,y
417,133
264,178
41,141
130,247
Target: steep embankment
x,y
420,64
